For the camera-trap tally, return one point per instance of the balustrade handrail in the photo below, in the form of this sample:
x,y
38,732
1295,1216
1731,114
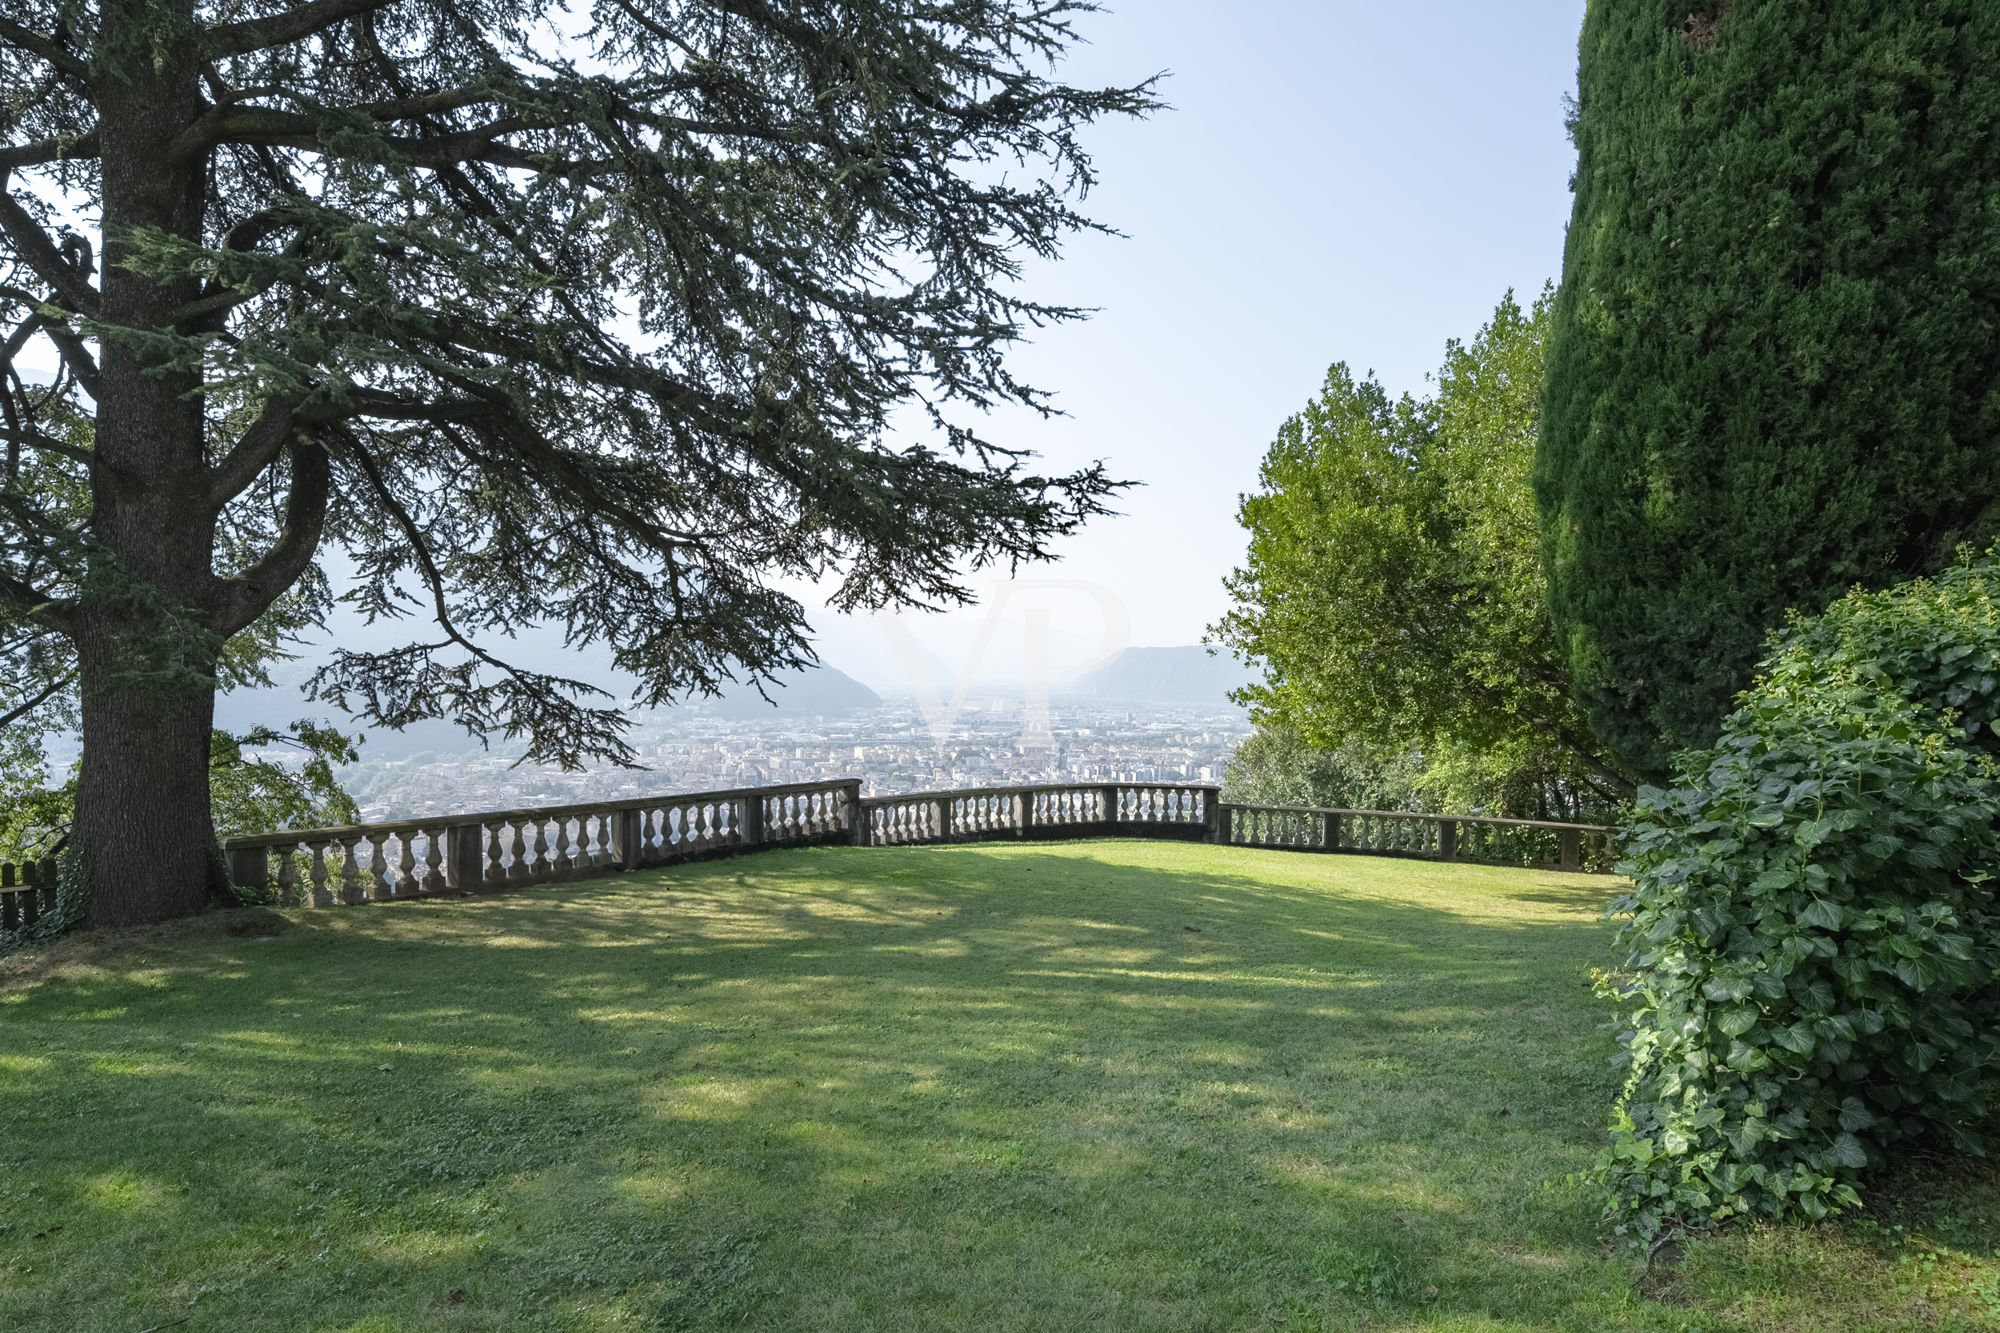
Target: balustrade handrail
x,y
419,825
1029,788
1501,820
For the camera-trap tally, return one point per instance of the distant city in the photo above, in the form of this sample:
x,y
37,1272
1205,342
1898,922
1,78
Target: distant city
x,y
1149,715
890,749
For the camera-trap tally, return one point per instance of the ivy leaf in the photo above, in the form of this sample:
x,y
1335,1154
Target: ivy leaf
x,y
1736,1022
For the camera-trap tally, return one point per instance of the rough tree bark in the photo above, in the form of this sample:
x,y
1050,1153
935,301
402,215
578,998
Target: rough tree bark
x,y
143,830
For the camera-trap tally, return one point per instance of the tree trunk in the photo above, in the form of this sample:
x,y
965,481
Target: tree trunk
x,y
143,831
146,655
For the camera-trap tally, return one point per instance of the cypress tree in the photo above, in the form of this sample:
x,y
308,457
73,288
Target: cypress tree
x,y
1773,365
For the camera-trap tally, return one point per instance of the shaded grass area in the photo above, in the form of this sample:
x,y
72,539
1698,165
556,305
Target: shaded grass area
x,y
1100,1085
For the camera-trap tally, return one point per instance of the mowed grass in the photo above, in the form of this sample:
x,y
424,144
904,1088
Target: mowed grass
x,y
1039,1087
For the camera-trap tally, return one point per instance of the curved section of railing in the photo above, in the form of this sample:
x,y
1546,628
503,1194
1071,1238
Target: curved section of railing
x,y
1096,810
502,849
1520,842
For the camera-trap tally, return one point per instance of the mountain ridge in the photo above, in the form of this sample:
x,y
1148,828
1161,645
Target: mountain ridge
x,y
1184,674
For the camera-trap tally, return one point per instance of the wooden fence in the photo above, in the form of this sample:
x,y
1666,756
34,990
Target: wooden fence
x,y
27,893
502,849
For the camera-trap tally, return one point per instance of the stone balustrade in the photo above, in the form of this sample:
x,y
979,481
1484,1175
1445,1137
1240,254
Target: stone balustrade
x,y
510,848
1523,842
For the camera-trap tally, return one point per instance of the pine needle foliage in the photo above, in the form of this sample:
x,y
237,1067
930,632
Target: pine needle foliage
x,y
1774,363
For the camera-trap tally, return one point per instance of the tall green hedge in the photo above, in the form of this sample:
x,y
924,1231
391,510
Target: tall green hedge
x,y
1773,367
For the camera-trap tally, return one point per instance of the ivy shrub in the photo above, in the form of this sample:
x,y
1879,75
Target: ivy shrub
x,y
1814,932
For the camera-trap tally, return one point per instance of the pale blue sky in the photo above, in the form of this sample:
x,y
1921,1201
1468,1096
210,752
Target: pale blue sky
x,y
1335,181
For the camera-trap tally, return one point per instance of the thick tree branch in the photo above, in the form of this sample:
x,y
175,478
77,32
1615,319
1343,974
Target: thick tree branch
x,y
388,407
61,148
76,357
230,39
273,430
45,49
48,444
268,128
1577,746
20,596
34,245
256,449
247,595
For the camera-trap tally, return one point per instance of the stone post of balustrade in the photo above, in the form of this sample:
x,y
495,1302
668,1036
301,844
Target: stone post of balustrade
x,y
1572,849
465,858
851,811
1213,820
250,867
1447,839
627,838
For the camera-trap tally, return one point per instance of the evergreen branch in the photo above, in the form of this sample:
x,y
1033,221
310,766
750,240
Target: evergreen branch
x,y
53,688
590,731
46,49
241,38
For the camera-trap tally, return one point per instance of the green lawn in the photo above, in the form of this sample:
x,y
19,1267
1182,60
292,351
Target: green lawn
x,y
1040,1087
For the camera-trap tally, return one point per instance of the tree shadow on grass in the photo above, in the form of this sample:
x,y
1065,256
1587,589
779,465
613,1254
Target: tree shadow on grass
x,y
1038,1088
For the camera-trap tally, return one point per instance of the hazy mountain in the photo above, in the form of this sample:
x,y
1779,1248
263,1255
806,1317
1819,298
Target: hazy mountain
x,y
821,691
1184,675
814,692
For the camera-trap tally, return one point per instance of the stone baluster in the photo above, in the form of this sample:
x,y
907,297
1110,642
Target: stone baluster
x,y
406,864
350,871
433,880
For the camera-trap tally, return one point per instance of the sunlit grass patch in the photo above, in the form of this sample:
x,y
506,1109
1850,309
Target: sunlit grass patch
x,y
1113,1085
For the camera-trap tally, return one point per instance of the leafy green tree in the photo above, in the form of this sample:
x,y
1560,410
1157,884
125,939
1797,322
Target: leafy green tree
x,y
253,793
1393,591
1276,766
1774,371
590,318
